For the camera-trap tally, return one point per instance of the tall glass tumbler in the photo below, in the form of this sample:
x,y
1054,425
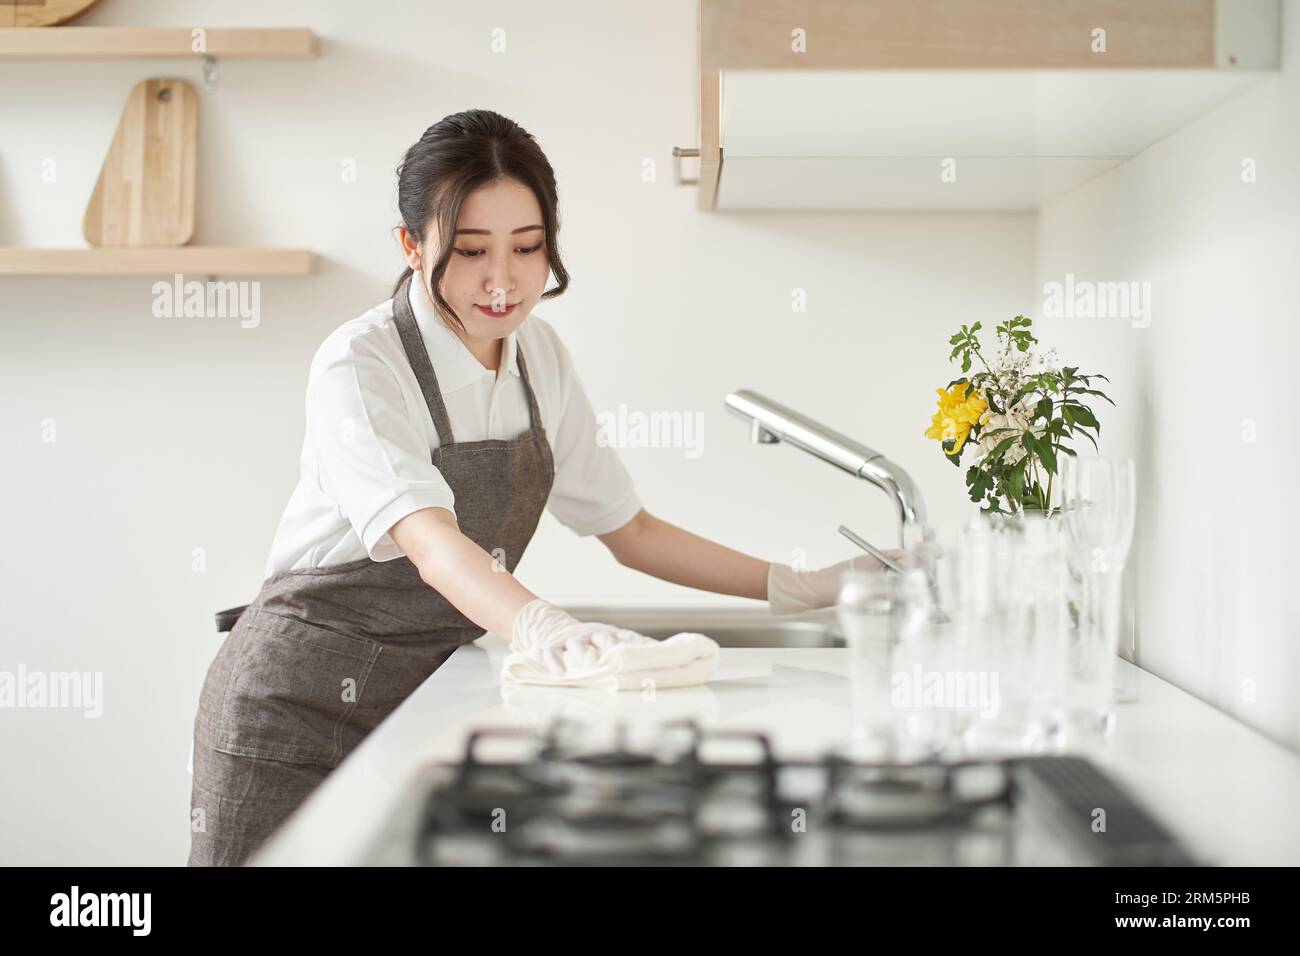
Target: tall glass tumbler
x,y
882,615
1098,502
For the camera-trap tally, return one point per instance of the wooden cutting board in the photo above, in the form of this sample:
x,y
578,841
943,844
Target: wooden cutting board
x,y
41,13
145,192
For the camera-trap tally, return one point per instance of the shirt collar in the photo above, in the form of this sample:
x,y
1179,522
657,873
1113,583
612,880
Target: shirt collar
x,y
453,362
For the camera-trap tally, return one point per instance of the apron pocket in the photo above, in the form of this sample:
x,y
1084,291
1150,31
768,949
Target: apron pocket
x,y
292,689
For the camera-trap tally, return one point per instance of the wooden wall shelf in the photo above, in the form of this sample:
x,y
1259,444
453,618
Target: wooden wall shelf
x,y
61,43
70,42
192,261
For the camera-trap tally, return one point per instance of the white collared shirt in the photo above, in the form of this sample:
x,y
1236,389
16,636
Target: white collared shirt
x,y
366,454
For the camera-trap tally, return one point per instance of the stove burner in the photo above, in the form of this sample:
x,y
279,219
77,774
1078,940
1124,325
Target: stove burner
x,y
915,795
571,799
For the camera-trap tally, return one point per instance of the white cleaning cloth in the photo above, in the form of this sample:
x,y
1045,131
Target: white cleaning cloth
x,y
553,648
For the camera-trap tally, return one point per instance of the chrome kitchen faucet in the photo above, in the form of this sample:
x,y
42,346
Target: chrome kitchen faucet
x,y
772,422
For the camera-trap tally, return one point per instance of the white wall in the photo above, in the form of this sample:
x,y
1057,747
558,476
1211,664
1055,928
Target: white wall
x,y
181,434
1206,390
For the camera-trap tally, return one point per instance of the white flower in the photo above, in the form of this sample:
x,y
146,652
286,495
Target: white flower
x,y
1017,417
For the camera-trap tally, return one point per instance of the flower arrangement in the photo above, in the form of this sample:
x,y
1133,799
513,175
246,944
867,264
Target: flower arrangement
x,y
1018,412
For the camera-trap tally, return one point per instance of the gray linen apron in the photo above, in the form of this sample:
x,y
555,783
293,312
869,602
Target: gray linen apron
x,y
323,655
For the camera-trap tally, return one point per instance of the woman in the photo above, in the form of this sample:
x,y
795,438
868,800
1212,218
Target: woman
x,y
439,425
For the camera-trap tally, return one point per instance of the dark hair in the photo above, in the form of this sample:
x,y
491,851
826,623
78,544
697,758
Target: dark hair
x,y
457,155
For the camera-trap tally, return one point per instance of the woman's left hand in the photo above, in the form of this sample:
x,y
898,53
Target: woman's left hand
x,y
790,591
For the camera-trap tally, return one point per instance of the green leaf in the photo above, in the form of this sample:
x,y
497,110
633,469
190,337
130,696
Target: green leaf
x,y
1047,455
1093,391
1001,447
1015,480
1082,414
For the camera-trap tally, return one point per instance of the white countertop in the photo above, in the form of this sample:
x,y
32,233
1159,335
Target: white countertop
x,y
1228,792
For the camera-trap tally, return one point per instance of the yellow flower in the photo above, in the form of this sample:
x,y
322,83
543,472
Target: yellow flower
x,y
956,416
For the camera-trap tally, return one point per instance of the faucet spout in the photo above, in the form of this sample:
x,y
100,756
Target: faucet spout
x,y
772,422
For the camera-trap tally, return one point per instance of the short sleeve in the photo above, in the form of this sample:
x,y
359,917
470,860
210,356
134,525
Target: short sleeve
x,y
593,493
374,461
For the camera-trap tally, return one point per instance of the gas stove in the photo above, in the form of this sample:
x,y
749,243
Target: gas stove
x,y
685,795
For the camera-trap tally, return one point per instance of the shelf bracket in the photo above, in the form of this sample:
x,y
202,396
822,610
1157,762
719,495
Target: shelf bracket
x,y
678,153
211,73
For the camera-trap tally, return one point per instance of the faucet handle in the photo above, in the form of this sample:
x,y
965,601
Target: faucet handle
x,y
938,614
871,549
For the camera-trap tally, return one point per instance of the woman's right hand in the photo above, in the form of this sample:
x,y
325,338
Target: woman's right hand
x,y
540,624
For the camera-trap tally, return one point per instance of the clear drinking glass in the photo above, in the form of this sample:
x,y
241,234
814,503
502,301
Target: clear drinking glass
x,y
1030,643
1098,503
884,617
1007,588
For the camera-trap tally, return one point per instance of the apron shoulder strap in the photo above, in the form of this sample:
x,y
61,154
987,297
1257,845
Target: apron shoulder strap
x,y
418,356
534,414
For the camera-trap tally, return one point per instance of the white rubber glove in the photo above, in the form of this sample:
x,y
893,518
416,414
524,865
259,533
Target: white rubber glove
x,y
551,647
790,591
560,641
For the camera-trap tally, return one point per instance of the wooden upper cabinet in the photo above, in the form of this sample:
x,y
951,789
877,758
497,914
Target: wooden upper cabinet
x,y
955,104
